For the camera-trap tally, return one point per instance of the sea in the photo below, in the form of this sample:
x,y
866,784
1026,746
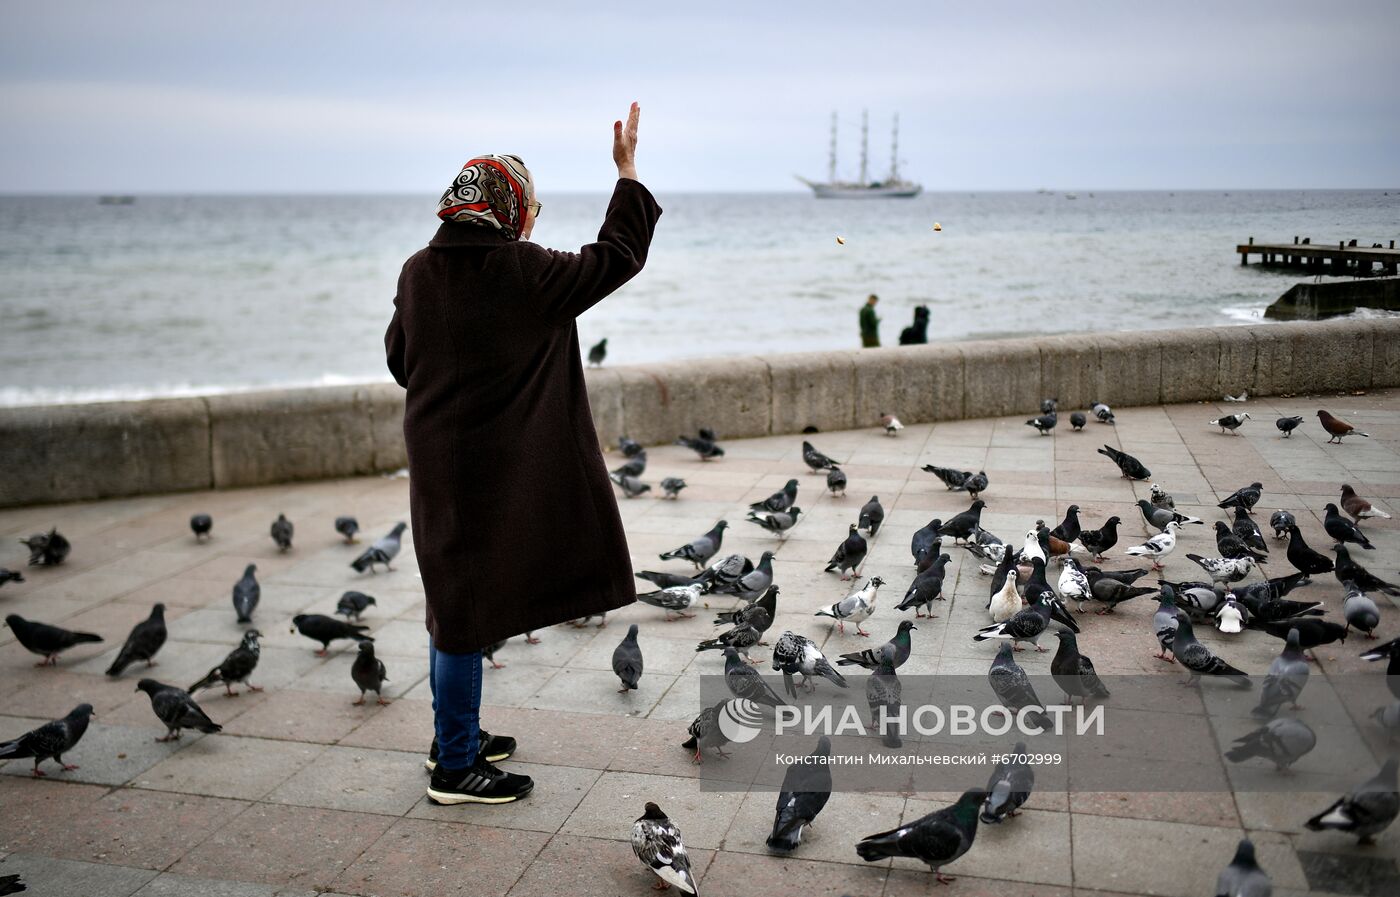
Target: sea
x,y
183,295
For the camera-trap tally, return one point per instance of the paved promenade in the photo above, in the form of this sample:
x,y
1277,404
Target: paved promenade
x,y
304,793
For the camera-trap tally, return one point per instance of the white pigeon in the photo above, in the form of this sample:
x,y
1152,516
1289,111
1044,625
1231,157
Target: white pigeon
x,y
1242,397
855,607
987,569
1074,584
1224,569
1006,602
1229,618
657,843
891,424
1157,547
1161,498
1032,550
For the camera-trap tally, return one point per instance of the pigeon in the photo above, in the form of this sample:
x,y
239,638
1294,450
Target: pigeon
x,y
1111,592
1069,528
926,544
1388,718
323,629
836,481
1077,420
674,600
1044,423
793,654
951,478
962,526
1367,810
629,447
657,843
1301,556
1199,599
1161,498
702,549
759,614
1343,530
985,545
926,588
47,549
1126,577
369,674
489,652
354,604
1026,625
1159,546
1242,397
936,839
1281,741
246,594
174,707
781,500
856,607
869,659
1288,674
635,466
1281,520
750,586
45,640
776,522
1243,877
742,637
282,532
1359,507
815,459
1013,689
891,424
1099,541
50,741
1232,546
8,575
1006,601
1073,584
237,667
724,574
1102,413
1158,518
631,486
1164,623
975,484
347,527
1337,428
1200,660
706,732
806,789
702,445
1074,672
1049,406
1286,425
872,514
1224,569
580,623
1265,601
1360,611
848,554
627,661
1312,632
1229,619
1131,467
382,551
144,641
1009,786
201,525
1347,570
671,487
884,695
1248,532
745,682
1231,422
1388,651
1245,497
598,352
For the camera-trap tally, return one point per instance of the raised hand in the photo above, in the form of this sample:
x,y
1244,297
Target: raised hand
x,y
625,144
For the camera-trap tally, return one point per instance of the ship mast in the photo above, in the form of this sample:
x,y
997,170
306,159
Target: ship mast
x,y
894,152
831,159
864,133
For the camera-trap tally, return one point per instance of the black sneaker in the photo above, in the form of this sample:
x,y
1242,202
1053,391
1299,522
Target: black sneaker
x,y
494,748
481,783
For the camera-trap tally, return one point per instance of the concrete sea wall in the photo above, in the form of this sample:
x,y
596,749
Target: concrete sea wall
x,y
60,453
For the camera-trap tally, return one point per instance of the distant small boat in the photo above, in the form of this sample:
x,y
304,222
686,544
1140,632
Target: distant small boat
x,y
115,200
1071,196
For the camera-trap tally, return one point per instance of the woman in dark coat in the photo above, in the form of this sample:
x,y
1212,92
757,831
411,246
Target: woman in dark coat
x,y
514,520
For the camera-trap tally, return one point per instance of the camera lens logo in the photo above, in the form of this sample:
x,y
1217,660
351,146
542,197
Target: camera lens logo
x,y
740,720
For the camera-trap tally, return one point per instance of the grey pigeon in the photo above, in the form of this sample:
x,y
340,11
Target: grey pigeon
x,y
657,843
1281,520
627,661
951,477
1161,498
597,352
144,641
1048,406
1074,672
1243,877
347,527
237,667
1367,810
47,549
671,487
1164,623
806,789
354,604
925,543
1158,518
776,522
926,588
1224,569
667,580
706,732
836,481
1388,718
1287,676
700,550
1231,422
201,525
901,642
848,554
1009,787
795,654
176,709
815,459
1200,660
382,551
976,484
745,682
724,574
781,500
673,600
628,447
759,615
1287,425
324,629
1102,413
872,514
1347,570
369,674
1245,497
856,607
1130,467
282,532
1360,611
935,840
1044,423
1281,741
635,466
741,638
884,695
702,445
1077,420
1112,592
1014,690
50,741
631,486
246,594
1343,530
45,640
753,584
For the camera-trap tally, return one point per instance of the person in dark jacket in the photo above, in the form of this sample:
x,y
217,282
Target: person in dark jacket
x,y
869,324
916,334
514,522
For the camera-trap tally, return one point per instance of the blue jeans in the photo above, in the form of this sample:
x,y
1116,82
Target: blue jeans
x,y
455,681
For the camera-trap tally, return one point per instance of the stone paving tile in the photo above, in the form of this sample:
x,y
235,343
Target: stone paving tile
x,y
39,813
359,779
421,857
224,766
606,812
172,885
107,755
844,820
746,873
49,876
593,867
313,716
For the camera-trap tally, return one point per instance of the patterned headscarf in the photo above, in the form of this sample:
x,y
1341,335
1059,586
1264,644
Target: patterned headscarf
x,y
492,191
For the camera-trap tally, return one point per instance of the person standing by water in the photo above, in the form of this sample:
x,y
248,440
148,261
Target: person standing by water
x,y
869,324
515,525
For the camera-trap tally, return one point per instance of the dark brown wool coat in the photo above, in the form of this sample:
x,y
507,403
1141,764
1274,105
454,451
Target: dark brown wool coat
x,y
514,520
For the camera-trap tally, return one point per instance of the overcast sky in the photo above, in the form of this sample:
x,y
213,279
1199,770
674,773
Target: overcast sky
x,y
347,97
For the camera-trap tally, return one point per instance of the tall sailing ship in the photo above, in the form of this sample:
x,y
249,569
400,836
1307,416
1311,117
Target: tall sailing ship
x,y
892,187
